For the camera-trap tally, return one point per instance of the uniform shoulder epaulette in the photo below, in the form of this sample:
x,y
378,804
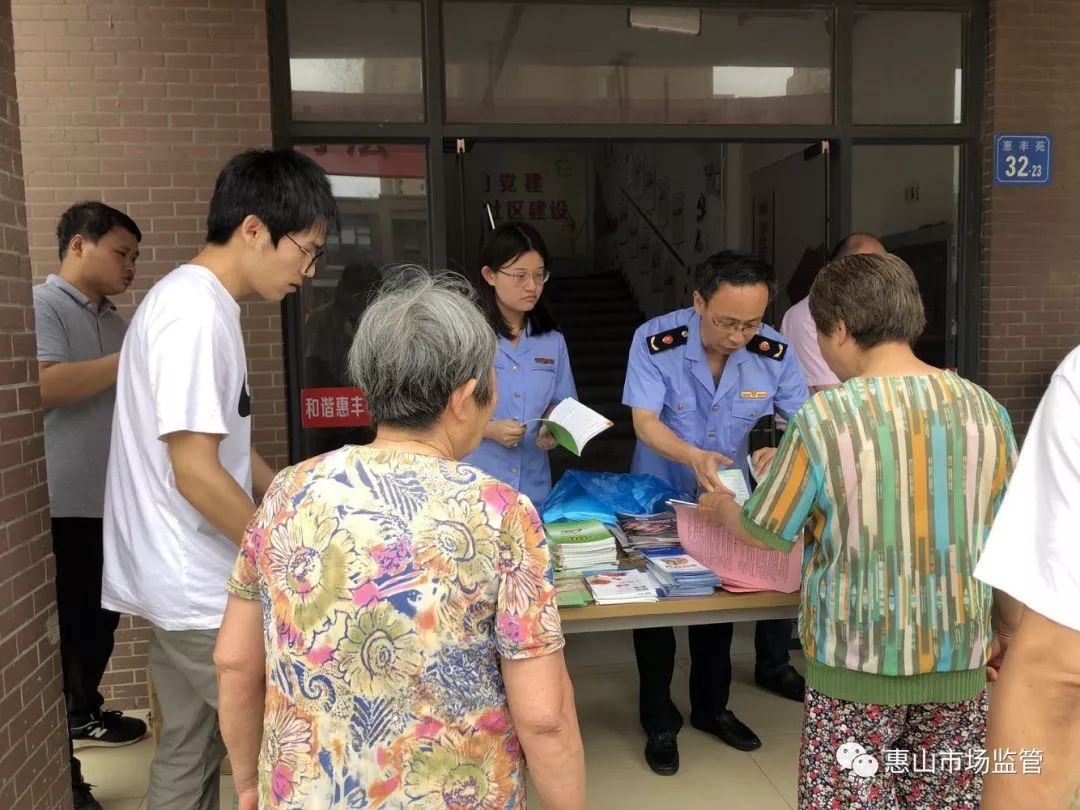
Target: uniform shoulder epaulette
x,y
767,347
663,341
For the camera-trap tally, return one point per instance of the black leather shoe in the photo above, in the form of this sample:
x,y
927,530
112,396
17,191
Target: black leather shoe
x,y
662,753
729,729
787,684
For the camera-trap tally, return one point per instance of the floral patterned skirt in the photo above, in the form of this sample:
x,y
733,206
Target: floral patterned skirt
x,y
858,756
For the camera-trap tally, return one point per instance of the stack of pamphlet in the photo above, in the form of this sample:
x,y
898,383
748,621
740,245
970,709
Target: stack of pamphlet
x,y
622,587
679,574
570,590
647,532
632,555
580,544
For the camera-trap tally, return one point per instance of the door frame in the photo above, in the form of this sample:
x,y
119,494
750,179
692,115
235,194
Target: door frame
x,y
440,137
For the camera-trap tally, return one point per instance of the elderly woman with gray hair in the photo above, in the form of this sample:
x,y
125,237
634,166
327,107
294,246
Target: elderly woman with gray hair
x,y
392,636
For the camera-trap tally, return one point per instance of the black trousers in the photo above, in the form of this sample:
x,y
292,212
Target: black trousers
x,y
86,629
710,668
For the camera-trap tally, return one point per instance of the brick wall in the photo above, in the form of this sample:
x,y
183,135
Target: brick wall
x,y
139,103
1031,274
33,740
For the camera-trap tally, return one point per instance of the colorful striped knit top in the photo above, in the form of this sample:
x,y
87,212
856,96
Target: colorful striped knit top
x,y
898,480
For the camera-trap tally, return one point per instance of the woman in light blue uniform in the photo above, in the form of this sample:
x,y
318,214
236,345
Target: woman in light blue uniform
x,y
532,367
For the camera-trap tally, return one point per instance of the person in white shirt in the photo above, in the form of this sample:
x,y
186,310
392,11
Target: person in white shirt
x,y
182,472
798,327
1033,555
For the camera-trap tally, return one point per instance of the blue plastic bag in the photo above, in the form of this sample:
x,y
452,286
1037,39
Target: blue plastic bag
x,y
583,495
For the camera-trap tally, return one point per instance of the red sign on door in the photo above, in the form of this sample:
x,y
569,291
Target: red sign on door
x,y
333,407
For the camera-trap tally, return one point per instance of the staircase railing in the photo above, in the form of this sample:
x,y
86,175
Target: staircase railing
x,y
663,241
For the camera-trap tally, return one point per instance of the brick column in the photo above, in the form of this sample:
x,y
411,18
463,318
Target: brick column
x,y
1031,239
33,727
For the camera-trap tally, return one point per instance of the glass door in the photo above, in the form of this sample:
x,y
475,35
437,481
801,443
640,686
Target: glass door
x,y
382,197
787,196
626,224
789,204
908,196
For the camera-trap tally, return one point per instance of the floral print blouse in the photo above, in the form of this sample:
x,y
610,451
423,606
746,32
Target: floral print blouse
x,y
392,583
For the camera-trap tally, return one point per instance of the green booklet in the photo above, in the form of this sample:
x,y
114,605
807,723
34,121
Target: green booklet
x,y
580,544
573,425
577,531
571,590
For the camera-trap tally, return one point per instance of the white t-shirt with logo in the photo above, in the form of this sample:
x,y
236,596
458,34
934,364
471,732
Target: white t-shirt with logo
x,y
182,368
1033,552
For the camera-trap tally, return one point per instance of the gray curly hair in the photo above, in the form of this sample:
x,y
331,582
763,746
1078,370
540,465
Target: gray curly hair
x,y
421,337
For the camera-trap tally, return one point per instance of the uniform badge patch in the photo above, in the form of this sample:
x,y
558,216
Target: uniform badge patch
x,y
670,339
767,347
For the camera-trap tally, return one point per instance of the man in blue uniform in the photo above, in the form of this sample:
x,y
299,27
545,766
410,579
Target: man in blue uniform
x,y
698,380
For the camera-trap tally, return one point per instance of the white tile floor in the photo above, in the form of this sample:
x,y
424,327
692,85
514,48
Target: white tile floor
x,y
711,775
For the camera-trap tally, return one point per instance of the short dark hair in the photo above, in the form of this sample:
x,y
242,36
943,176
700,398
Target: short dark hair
x,y
506,243
92,220
843,247
877,298
288,191
737,269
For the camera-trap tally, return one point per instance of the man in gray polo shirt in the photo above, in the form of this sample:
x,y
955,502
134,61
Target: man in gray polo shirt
x,y
79,335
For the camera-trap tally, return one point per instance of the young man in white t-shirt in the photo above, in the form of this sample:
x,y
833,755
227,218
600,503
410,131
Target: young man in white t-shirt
x,y
1033,555
182,472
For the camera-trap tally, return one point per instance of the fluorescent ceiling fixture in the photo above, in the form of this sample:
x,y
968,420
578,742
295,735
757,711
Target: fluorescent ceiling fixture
x,y
742,81
327,75
356,188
